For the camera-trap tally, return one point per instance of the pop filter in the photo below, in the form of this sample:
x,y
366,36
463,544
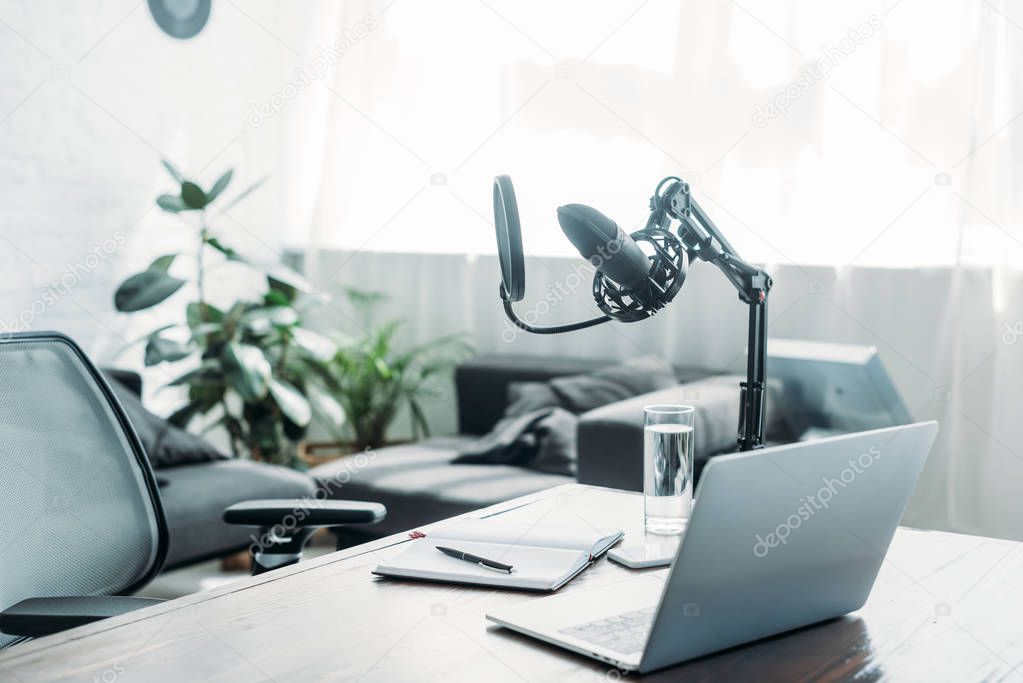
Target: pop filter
x,y
509,239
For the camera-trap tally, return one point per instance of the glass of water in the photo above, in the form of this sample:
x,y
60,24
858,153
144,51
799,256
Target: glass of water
x,y
667,467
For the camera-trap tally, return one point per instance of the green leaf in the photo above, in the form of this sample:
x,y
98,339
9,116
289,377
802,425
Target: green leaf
x,y
144,290
284,274
327,407
175,173
381,346
162,350
287,290
420,427
363,298
163,263
195,316
281,316
245,193
381,367
206,392
291,402
183,415
236,312
227,251
192,195
248,370
316,345
204,329
275,298
208,374
260,320
259,327
203,373
169,202
219,186
158,330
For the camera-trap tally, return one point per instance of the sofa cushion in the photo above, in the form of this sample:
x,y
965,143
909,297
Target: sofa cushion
x,y
482,384
539,425
580,393
419,484
525,397
165,444
611,438
195,496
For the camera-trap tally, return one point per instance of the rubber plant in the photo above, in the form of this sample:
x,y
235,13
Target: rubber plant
x,y
255,369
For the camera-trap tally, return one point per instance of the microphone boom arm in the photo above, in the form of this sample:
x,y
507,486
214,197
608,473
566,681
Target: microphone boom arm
x,y
704,241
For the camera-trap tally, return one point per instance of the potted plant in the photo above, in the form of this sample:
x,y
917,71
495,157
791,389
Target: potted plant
x,y
373,378
257,370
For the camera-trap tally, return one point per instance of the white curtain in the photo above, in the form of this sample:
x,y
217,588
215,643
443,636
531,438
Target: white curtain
x,y
867,153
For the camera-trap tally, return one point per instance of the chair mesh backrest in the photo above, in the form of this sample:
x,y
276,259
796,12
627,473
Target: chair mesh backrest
x,y
78,511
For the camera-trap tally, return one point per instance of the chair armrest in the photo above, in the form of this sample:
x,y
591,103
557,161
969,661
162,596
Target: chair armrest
x,y
304,513
287,524
35,617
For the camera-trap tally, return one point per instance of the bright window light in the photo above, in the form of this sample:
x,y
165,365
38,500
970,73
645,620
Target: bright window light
x,y
784,118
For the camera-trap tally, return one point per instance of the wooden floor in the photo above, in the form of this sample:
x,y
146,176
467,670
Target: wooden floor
x,y
945,607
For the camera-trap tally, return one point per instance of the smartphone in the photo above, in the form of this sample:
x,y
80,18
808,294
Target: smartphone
x,y
644,556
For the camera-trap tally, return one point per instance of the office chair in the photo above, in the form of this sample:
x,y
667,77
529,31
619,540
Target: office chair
x,y
81,524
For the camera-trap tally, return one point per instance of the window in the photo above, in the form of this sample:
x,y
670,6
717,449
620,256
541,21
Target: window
x,y
810,134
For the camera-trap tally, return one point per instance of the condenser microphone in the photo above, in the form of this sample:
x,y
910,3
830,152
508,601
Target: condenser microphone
x,y
628,286
633,283
601,242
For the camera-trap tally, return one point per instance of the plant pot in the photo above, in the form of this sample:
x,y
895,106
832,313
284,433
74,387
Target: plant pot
x,y
314,453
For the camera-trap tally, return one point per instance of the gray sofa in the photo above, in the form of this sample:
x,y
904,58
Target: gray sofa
x,y
419,484
194,497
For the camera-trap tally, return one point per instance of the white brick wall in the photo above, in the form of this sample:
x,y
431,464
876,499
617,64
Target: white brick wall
x,y
92,96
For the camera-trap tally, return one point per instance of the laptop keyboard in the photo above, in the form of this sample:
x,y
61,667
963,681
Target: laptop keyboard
x,y
625,633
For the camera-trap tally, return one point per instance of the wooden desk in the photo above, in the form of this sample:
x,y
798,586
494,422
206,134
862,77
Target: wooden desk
x,y
945,607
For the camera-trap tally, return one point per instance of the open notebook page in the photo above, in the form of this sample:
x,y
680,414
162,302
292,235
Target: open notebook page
x,y
564,534
534,568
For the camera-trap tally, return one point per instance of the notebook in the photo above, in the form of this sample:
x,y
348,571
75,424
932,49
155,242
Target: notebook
x,y
544,558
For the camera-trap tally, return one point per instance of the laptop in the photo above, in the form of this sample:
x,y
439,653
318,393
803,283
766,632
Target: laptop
x,y
779,538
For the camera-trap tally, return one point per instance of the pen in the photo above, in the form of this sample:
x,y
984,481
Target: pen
x,y
475,559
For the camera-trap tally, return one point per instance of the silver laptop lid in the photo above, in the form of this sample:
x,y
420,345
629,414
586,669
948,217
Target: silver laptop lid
x,y
784,537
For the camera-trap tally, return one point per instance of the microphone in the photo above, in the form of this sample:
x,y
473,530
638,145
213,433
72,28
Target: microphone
x,y
601,242
631,285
